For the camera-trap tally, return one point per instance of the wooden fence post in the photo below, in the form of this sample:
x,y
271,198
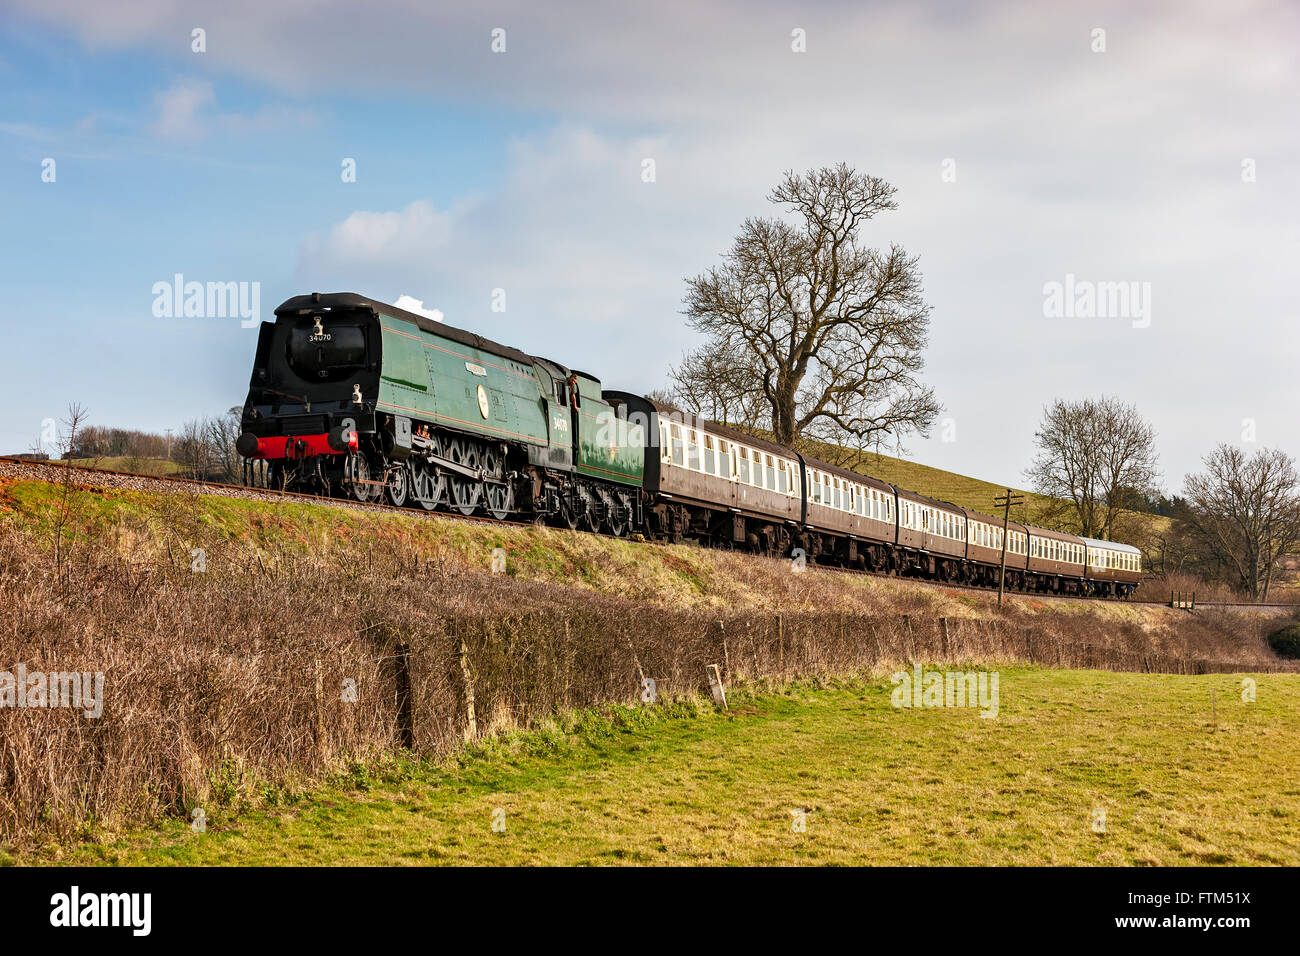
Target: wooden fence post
x,y
471,721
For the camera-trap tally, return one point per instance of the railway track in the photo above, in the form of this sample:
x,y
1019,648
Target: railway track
x,y
53,472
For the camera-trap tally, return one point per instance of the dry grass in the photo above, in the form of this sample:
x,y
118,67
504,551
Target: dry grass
x,y
223,684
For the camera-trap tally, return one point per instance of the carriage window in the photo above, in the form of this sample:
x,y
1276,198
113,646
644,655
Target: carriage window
x,y
665,448
692,450
678,452
724,459
710,462
782,478
742,460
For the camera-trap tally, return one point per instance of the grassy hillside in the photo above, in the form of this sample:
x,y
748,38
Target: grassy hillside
x,y
945,485
1179,784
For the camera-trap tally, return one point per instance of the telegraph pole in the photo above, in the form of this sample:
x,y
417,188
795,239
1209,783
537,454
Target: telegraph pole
x,y
1005,502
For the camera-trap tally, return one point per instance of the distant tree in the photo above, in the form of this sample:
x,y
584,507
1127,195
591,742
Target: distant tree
x,y
221,433
1099,457
1243,511
97,441
807,326
661,395
191,449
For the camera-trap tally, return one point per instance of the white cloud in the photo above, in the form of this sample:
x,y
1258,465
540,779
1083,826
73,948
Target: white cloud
x,y
179,109
417,306
410,235
187,110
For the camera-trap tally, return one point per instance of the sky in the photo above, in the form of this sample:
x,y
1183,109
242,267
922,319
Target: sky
x,y
504,146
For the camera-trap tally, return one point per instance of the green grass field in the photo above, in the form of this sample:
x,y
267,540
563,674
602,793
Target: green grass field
x,y
1182,780
142,466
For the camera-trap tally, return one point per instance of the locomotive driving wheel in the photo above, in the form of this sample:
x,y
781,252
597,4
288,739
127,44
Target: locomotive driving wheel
x,y
428,489
466,493
499,496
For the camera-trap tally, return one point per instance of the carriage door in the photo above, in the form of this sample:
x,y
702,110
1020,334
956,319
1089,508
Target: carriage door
x,y
925,528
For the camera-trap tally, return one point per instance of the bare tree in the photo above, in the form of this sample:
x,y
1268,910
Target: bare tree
x,y
193,451
809,327
1099,457
221,433
721,386
1245,512
66,513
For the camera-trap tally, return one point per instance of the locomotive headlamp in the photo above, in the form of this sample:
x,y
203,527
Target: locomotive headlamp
x,y
356,395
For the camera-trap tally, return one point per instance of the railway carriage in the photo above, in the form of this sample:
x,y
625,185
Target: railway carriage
x,y
984,535
1113,569
1055,561
708,481
931,536
848,516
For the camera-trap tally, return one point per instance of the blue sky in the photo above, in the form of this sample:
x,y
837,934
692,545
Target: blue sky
x,y
521,171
